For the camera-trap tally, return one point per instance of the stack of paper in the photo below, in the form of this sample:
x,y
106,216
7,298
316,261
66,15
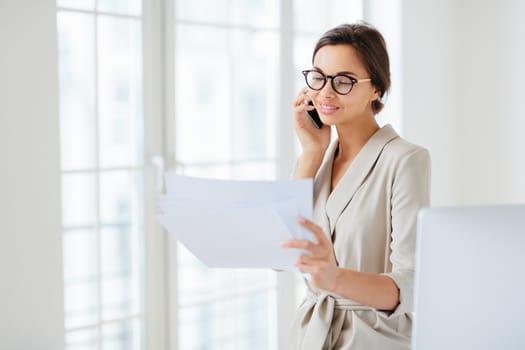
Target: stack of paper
x,y
237,224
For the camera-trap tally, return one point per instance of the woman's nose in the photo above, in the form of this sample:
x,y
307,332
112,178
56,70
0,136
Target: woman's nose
x,y
327,90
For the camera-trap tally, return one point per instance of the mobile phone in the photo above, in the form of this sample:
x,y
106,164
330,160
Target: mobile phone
x,y
314,116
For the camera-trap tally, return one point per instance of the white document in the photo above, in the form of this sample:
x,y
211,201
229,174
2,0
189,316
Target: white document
x,y
237,224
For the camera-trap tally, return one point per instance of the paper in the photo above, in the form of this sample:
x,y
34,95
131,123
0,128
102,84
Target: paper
x,y
237,224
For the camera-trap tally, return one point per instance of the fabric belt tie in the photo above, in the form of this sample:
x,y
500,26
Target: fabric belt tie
x,y
320,321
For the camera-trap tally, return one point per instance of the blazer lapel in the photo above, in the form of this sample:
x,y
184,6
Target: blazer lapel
x,y
322,186
356,174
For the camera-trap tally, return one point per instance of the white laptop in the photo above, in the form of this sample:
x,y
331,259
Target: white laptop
x,y
470,279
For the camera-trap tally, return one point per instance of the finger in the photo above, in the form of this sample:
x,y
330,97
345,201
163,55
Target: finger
x,y
300,267
302,93
309,260
301,244
302,102
315,229
302,98
308,107
305,268
299,104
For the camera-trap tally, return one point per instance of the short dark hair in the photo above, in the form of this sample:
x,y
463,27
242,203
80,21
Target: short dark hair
x,y
371,48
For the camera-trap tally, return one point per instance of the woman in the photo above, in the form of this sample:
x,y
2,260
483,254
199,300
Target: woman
x,y
369,184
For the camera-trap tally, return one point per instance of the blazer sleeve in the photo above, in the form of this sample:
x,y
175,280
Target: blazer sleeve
x,y
410,192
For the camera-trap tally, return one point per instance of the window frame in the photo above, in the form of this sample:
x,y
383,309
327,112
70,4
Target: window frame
x,y
98,171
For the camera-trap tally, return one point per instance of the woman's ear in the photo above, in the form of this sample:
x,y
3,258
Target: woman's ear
x,y
376,95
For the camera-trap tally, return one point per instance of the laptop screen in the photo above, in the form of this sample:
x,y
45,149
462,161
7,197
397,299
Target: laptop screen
x,y
470,278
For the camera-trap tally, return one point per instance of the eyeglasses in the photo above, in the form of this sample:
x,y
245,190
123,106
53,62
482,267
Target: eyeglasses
x,y
341,83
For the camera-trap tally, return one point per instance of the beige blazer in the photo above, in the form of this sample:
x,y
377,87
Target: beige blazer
x,y
371,218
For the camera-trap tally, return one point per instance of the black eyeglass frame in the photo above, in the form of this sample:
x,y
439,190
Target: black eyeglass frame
x,y
332,77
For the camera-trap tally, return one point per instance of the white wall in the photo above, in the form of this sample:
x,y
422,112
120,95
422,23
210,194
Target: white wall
x,y
31,306
429,90
490,48
463,85
385,15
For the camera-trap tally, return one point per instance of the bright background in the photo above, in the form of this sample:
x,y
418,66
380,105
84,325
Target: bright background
x,y
82,264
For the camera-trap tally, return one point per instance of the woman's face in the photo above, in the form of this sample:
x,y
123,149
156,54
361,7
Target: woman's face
x,y
335,109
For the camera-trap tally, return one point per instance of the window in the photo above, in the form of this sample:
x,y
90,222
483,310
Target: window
x,y
226,121
311,19
100,65
219,85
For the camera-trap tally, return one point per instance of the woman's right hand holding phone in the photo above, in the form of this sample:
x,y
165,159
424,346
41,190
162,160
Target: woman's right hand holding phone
x,y
314,140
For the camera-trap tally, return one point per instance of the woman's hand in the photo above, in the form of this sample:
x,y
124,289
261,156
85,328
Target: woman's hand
x,y
320,263
312,139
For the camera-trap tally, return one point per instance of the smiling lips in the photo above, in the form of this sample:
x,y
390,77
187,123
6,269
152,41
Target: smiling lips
x,y
327,108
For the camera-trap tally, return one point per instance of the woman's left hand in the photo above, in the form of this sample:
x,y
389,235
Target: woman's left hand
x,y
320,263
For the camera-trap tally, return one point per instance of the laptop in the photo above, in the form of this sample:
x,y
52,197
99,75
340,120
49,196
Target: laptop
x,y
470,278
